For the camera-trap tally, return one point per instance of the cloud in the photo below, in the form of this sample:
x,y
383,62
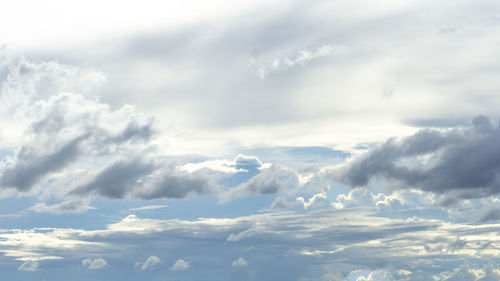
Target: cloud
x,y
489,271
170,182
68,130
9,216
28,265
270,180
398,199
146,208
78,147
489,214
463,161
241,262
150,262
301,58
117,179
180,265
345,239
69,206
377,275
316,200
241,161
94,264
282,203
28,168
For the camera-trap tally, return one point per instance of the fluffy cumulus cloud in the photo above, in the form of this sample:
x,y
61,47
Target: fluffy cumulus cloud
x,y
180,264
463,161
150,262
473,272
64,131
240,262
94,264
74,147
398,199
378,275
318,200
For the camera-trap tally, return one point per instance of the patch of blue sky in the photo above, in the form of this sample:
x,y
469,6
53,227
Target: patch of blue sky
x,y
204,206
423,213
335,190
239,177
90,220
298,156
16,204
209,207
5,153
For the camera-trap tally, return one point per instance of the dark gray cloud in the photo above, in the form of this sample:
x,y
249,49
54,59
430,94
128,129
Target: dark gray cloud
x,y
28,167
172,184
135,130
489,214
117,180
463,160
140,179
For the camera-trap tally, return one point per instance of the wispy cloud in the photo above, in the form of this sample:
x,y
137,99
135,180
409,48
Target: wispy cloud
x,y
28,265
150,262
146,208
301,58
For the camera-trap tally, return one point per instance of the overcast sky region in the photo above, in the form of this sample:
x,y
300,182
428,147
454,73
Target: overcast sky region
x,y
250,140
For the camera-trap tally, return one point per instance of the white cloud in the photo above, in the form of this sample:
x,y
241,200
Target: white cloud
x,y
150,262
241,262
471,272
347,238
223,166
150,207
315,200
241,163
300,58
465,272
68,206
180,265
377,275
94,264
28,265
364,197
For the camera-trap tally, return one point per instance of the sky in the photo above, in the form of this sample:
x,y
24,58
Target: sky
x,y
250,140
